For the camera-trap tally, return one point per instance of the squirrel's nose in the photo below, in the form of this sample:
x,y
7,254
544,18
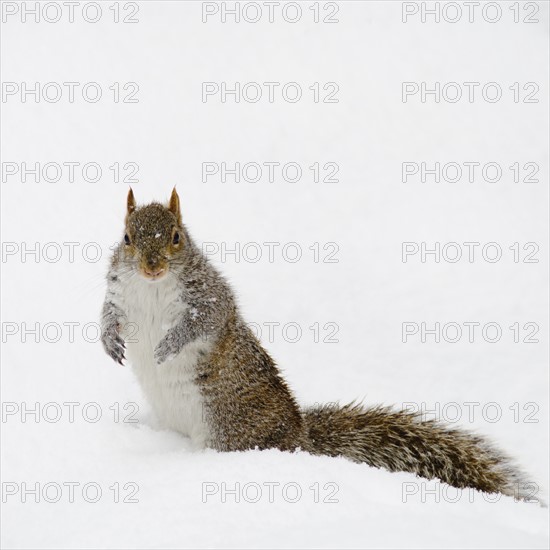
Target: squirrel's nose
x,y
152,263
153,271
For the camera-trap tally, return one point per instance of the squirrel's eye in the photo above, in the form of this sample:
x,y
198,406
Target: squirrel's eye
x,y
126,239
176,238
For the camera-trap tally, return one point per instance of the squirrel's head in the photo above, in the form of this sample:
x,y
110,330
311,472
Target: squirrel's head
x,y
154,236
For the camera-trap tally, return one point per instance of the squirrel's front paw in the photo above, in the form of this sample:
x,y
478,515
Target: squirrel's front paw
x,y
113,344
168,347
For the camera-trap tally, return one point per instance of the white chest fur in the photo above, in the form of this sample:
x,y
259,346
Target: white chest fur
x,y
152,308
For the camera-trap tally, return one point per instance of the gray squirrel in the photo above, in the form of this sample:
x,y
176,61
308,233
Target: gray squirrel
x,y
207,376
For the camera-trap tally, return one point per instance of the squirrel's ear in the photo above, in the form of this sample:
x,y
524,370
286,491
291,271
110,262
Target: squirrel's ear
x,y
130,203
174,205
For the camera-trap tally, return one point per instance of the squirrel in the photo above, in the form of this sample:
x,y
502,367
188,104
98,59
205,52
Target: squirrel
x,y
207,376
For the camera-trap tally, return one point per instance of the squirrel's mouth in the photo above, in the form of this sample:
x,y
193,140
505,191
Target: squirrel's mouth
x,y
153,274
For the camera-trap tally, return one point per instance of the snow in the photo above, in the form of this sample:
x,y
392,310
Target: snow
x,y
184,495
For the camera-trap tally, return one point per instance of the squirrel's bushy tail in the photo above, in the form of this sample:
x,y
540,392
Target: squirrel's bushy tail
x,y
400,441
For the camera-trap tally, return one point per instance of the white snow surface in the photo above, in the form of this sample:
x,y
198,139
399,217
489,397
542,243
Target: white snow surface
x,y
369,292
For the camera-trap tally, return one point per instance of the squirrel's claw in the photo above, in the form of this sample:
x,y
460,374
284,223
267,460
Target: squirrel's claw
x,y
114,345
159,356
166,349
